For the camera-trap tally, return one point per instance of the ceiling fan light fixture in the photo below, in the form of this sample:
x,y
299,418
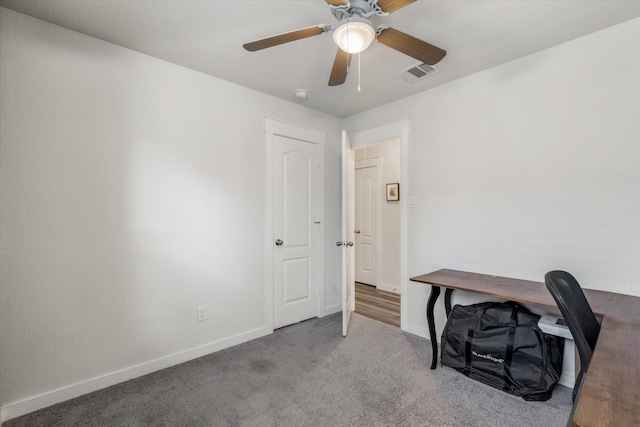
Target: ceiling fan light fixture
x,y
354,35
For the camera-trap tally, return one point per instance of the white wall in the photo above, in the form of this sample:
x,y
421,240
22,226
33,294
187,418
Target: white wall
x,y
132,192
389,241
530,166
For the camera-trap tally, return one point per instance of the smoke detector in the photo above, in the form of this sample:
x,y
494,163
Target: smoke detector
x,y
301,93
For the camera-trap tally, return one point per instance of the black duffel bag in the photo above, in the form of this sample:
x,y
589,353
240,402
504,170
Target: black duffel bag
x,y
500,344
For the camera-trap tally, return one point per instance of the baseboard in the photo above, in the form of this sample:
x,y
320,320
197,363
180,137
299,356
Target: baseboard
x,y
418,330
25,406
332,309
388,288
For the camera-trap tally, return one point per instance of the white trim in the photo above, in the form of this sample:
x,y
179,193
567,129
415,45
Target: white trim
x,y
417,329
379,241
379,134
404,224
273,127
321,230
367,163
30,404
268,227
336,308
281,127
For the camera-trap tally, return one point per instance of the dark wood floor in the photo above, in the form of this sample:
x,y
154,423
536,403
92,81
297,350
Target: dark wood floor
x,y
380,305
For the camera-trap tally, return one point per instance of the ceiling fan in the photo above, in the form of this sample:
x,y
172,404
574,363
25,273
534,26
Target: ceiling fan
x,y
355,32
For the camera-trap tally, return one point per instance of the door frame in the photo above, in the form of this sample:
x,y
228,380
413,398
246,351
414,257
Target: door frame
x,y
273,127
379,134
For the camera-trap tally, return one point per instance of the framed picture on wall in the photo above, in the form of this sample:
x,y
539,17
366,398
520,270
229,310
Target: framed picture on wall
x,y
393,192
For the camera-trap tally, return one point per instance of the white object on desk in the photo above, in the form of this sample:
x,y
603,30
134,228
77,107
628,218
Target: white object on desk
x,y
554,325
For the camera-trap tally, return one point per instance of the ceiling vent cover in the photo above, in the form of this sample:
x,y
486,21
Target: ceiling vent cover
x,y
417,72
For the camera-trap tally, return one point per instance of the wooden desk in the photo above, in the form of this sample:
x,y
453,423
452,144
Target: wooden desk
x,y
611,390
610,393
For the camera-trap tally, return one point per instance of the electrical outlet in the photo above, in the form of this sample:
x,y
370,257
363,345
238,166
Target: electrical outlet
x,y
202,313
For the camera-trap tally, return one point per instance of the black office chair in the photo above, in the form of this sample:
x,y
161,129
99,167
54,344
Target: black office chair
x,y
578,315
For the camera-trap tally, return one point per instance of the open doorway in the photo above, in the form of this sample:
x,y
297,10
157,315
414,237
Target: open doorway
x,y
379,305
377,230
352,142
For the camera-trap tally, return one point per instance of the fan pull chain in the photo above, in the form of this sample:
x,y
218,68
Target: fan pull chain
x,y
359,90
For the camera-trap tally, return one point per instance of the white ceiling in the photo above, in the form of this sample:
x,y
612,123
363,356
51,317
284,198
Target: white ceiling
x,y
208,36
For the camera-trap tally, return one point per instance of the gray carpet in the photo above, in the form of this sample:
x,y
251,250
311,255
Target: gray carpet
x,y
308,375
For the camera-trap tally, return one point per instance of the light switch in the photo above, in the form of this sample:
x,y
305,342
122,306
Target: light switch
x,y
414,201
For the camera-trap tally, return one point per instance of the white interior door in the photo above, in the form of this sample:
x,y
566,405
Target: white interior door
x,y
296,215
366,225
346,244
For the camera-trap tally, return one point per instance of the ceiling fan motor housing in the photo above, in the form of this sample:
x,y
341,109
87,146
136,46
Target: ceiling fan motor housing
x,y
363,8
363,5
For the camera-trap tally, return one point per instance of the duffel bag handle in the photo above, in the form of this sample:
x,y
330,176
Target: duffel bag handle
x,y
508,357
469,340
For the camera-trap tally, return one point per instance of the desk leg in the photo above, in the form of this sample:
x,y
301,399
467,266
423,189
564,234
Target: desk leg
x,y
447,301
435,292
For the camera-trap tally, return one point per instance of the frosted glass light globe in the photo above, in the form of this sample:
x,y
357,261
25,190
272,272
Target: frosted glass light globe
x,y
354,36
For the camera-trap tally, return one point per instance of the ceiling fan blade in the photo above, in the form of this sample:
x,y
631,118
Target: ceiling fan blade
x,y
409,45
340,68
285,38
393,5
338,2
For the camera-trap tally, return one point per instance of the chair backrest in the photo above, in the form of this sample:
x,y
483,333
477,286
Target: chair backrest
x,y
576,311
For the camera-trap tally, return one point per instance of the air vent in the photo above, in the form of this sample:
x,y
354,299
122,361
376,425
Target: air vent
x,y
417,72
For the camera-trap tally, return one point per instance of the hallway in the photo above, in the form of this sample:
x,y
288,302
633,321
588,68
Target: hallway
x,y
379,305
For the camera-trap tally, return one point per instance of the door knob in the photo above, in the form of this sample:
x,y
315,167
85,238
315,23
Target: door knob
x,y
356,231
339,243
349,244
278,242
